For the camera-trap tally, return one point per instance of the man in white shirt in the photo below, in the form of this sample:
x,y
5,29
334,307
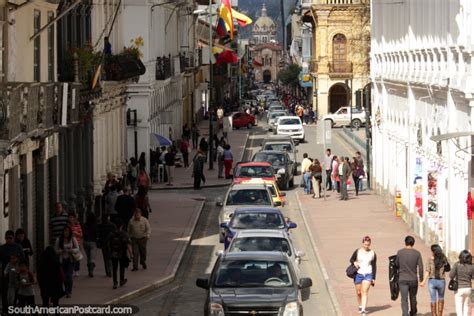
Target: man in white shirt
x,y
305,164
328,167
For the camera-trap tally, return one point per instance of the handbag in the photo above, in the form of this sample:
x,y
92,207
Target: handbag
x,y
351,271
453,283
77,255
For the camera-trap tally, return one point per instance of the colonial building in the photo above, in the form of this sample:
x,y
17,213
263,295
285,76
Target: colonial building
x,y
269,56
340,63
422,73
264,30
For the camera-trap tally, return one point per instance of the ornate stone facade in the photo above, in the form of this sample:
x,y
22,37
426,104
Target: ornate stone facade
x,y
269,55
264,29
340,64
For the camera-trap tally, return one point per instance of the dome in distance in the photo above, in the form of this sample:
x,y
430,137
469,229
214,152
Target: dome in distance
x,y
264,23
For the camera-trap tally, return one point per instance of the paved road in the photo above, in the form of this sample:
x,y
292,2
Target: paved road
x,y
183,298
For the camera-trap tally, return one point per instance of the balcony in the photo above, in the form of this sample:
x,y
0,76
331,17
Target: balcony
x,y
164,68
342,69
313,66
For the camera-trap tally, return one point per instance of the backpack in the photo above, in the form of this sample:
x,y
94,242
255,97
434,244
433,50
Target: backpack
x,y
116,244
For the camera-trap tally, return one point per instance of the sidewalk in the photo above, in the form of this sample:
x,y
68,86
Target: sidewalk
x,y
170,235
337,230
182,176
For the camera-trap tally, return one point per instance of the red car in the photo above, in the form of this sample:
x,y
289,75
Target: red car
x,y
248,170
241,119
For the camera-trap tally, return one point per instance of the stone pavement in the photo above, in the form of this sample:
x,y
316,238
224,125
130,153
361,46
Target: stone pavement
x,y
337,229
182,176
170,235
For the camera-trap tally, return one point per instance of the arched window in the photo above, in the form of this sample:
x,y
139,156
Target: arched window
x,y
339,48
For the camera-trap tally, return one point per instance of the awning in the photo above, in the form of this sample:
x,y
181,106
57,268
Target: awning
x,y
159,140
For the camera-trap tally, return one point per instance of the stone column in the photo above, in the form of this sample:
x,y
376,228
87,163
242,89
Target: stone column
x,y
80,163
96,165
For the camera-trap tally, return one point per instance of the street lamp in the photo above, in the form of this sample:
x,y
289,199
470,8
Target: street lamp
x,y
211,99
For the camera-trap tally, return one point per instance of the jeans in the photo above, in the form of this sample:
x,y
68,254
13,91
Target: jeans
x,y
90,248
408,288
68,268
328,180
115,265
356,184
107,261
139,251
462,299
436,288
307,182
343,188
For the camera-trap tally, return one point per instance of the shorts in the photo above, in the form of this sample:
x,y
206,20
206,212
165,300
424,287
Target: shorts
x,y
363,277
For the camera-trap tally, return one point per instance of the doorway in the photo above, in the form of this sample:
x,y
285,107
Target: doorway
x,y
267,76
338,97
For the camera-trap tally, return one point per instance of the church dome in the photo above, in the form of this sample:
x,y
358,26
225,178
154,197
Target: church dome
x,y
264,23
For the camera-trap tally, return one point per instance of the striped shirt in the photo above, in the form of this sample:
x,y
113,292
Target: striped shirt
x,y
57,224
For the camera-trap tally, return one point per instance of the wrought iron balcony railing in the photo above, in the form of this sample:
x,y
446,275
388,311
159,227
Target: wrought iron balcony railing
x,y
340,69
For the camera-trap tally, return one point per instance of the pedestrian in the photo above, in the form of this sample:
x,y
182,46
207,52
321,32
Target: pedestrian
x,y
204,146
143,179
142,160
105,228
26,282
227,126
186,131
365,260
57,222
305,164
11,273
228,161
436,268
6,250
185,149
336,182
344,172
111,180
220,159
316,177
125,205
77,233
215,144
169,162
139,231
90,241
198,168
21,239
360,162
194,135
408,262
111,201
328,168
142,202
120,251
132,174
305,115
50,277
463,272
65,246
357,173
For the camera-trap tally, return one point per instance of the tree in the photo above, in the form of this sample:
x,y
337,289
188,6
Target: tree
x,y
290,75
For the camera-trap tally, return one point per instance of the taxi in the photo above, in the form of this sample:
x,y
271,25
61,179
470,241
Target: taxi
x,y
278,197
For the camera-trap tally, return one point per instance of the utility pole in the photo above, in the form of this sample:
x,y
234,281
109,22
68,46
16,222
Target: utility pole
x,y
211,99
368,136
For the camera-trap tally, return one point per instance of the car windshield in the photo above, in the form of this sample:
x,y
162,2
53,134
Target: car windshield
x,y
257,220
253,273
289,121
276,159
260,244
277,114
255,172
280,147
248,197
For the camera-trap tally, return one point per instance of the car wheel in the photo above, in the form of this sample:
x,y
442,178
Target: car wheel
x,y
356,123
249,125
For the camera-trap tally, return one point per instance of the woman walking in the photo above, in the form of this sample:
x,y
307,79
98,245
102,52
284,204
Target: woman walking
x,y
228,160
90,241
435,274
336,185
49,277
463,271
316,177
20,238
142,202
77,233
357,172
65,246
365,260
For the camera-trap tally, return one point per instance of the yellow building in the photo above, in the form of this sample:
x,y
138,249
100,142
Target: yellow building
x,y
340,64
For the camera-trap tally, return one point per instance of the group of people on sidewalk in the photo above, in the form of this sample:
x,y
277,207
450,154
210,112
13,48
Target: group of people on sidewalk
x,y
410,274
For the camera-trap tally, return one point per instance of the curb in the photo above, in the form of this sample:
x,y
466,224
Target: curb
x,y
159,283
329,288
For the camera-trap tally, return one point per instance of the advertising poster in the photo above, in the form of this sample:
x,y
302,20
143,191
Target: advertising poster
x,y
418,182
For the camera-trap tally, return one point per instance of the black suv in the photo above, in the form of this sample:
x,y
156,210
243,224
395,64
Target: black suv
x,y
253,283
285,168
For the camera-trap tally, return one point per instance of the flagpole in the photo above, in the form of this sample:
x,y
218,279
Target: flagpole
x,y
211,107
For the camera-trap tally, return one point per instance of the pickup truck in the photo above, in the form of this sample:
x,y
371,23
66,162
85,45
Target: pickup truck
x,y
342,117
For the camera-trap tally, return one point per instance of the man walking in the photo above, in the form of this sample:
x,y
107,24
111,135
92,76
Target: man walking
x,y
120,251
139,230
125,206
105,228
409,261
360,163
328,168
198,168
305,164
344,171
169,161
57,222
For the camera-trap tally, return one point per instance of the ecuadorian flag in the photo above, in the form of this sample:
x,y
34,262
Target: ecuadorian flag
x,y
225,13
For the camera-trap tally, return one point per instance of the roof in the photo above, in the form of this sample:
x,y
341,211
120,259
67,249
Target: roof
x,y
252,209
256,181
272,233
279,152
256,255
248,186
255,164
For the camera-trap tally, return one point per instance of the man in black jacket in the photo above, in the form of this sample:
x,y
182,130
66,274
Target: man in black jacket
x,y
125,206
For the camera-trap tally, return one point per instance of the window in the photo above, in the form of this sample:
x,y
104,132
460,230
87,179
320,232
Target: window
x,y
37,47
51,36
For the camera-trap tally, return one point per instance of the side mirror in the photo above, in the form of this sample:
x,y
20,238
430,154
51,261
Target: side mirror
x,y
221,252
204,283
224,225
282,193
277,203
292,225
303,284
219,202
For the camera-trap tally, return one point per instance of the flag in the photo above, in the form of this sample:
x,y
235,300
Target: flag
x,y
96,76
221,29
225,13
227,57
242,19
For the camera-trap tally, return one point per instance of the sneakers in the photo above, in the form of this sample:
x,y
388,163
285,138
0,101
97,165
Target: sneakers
x,y
362,311
115,286
122,283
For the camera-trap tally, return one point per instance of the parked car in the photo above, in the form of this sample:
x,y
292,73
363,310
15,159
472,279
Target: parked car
x,y
342,117
249,170
291,126
281,145
253,283
277,196
283,166
241,119
276,106
255,218
266,240
241,195
272,118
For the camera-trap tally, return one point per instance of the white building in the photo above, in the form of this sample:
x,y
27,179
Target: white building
x,y
422,76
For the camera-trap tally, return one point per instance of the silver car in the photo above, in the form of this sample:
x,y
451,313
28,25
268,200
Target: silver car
x,y
272,118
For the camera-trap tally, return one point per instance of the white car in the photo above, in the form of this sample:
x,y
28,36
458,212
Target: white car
x,y
342,117
266,240
291,126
